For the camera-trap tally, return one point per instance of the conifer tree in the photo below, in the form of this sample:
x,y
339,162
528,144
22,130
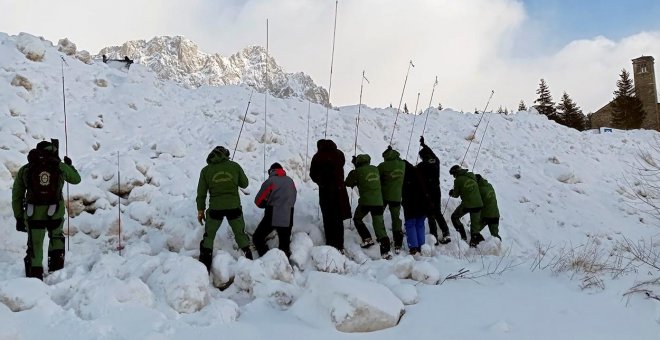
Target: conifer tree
x,y
522,106
544,104
627,109
569,114
439,106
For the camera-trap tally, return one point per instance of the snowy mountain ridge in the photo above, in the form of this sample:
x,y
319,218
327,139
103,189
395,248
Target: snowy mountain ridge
x,y
558,190
180,60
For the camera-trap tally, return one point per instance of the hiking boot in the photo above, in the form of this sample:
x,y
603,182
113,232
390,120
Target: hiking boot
x,y
444,240
248,252
397,237
475,239
55,260
367,242
384,246
462,232
414,251
397,250
206,258
386,256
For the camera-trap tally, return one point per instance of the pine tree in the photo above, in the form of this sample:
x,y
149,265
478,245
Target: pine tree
x,y
522,106
544,104
627,109
439,106
405,108
569,114
500,110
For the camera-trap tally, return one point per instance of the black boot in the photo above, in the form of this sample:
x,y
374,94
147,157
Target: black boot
x,y
206,258
36,272
461,231
26,262
398,240
55,260
385,248
475,239
247,252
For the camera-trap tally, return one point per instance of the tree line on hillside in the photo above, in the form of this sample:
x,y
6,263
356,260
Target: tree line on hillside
x,y
626,107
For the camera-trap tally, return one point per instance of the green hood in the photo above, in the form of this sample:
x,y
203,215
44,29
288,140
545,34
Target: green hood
x,y
216,157
391,155
361,160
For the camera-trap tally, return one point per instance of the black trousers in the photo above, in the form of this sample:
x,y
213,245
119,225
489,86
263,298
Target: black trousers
x,y
264,229
436,219
333,225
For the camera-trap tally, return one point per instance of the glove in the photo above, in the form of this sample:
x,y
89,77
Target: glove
x,y
200,217
389,147
353,160
67,161
20,225
421,140
451,192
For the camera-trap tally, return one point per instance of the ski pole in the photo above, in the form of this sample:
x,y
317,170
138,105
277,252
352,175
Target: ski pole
x,y
242,124
413,126
398,109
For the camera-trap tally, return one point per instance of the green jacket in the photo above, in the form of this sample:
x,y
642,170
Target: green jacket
x,y
69,174
465,187
220,179
392,171
367,179
487,192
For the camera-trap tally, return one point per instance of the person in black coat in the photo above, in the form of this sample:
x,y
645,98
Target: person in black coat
x,y
429,168
327,171
416,206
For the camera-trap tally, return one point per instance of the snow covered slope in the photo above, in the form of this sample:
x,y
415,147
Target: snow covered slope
x,y
179,59
555,186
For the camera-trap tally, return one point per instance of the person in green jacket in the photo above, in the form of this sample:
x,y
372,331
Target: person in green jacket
x,y
38,205
392,171
490,214
367,178
465,187
220,179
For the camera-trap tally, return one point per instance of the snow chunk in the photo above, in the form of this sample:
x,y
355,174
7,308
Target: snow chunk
x,y
301,248
66,46
95,298
32,47
22,294
328,259
219,311
403,266
273,266
172,146
222,269
425,272
407,293
182,282
349,305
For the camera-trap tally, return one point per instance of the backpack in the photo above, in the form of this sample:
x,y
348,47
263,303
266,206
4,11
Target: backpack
x,y
43,178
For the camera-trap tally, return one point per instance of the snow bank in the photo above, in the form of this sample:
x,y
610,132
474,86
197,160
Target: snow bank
x,y
349,305
22,294
32,47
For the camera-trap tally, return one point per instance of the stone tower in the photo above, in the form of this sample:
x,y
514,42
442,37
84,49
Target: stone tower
x,y
645,89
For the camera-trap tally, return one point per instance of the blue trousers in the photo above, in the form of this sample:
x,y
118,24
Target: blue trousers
x,y
415,231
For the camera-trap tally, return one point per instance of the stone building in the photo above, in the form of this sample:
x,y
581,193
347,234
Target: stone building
x,y
645,90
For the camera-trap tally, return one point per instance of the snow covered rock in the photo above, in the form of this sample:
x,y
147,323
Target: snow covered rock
x,y
328,259
347,304
182,282
66,46
425,272
22,294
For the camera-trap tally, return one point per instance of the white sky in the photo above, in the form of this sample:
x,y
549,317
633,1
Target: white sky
x,y
473,46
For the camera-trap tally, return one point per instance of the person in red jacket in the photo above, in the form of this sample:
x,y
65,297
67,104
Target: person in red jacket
x,y
278,196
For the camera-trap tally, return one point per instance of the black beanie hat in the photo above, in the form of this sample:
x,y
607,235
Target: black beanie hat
x,y
275,166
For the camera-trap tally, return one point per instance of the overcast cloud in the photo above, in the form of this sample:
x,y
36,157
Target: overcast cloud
x,y
473,46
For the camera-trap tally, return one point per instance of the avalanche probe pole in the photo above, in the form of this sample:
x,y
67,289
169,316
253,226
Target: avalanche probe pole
x,y
398,109
66,153
332,63
426,119
413,126
119,247
242,124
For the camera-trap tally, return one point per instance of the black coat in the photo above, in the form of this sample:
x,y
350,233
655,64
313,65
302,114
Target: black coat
x,y
416,201
327,171
429,169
